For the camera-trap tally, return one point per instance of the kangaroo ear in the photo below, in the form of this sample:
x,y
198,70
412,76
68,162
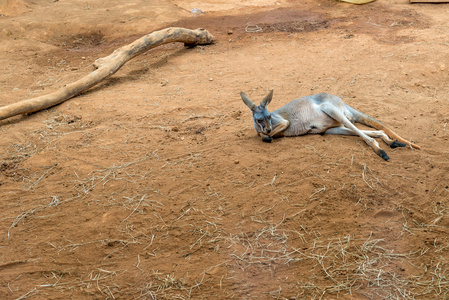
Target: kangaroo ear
x,y
267,99
248,101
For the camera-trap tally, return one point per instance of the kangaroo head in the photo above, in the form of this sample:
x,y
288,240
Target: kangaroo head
x,y
261,115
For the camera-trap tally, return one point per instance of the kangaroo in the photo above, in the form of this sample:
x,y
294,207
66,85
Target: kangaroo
x,y
323,114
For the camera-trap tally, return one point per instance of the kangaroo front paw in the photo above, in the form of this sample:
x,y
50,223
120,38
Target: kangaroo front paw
x,y
267,138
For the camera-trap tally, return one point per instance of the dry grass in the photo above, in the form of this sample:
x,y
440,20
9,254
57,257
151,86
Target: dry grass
x,y
329,266
172,199
271,242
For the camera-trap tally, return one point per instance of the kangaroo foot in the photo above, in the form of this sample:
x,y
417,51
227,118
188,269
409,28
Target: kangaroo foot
x,y
397,144
383,154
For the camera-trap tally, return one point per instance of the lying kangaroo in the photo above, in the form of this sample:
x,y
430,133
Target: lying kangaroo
x,y
321,113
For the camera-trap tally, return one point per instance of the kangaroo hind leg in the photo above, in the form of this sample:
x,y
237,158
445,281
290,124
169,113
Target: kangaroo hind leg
x,y
370,133
336,114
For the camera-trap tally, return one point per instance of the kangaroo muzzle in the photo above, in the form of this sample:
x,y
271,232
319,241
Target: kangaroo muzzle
x,y
265,127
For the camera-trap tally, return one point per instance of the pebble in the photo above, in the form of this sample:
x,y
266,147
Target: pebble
x,y
196,11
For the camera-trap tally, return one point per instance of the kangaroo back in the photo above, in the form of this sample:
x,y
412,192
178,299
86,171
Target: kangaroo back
x,y
361,118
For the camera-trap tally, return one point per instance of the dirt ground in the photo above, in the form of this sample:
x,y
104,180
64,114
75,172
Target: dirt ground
x,y
154,185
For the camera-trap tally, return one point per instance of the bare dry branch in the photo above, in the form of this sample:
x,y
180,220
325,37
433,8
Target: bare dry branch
x,y
107,66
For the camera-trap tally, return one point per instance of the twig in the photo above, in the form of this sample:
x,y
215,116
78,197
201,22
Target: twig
x,y
253,28
141,199
272,181
138,263
319,191
27,294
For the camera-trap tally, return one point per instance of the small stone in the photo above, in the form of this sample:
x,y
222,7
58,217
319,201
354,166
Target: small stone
x,y
211,79
230,31
196,12
236,162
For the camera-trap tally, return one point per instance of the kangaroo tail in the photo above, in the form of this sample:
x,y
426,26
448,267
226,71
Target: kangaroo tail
x,y
361,118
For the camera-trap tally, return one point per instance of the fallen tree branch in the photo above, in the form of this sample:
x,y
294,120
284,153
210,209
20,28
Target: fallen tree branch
x,y
107,66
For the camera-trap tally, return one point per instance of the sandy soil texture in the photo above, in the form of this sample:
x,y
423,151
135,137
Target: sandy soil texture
x,y
154,185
